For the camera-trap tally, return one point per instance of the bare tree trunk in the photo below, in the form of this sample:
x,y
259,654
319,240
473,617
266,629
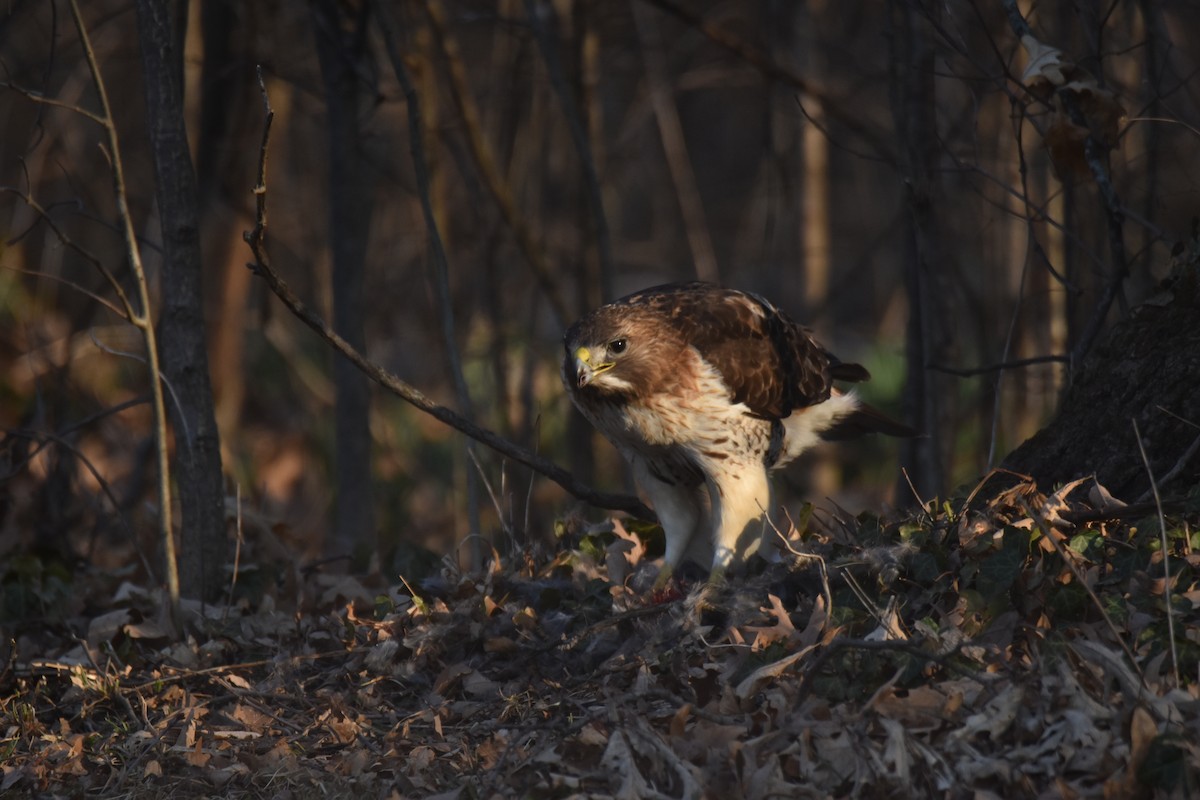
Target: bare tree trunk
x,y
1143,369
914,110
341,47
203,541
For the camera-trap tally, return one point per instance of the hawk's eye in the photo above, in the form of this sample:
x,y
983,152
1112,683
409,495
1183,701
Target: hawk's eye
x,y
617,346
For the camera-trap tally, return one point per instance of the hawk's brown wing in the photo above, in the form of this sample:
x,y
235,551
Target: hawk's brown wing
x,y
769,362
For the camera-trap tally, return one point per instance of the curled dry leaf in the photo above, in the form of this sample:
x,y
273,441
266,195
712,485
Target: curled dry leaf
x,y
1057,81
1047,67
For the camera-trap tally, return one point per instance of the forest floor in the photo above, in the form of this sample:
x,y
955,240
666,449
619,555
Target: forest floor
x,y
1028,646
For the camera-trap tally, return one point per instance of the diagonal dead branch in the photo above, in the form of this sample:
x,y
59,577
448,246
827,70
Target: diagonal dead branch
x,y
256,238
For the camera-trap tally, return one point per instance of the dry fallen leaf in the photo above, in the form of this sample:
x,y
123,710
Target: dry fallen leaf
x,y
196,757
750,685
781,629
106,626
996,716
1142,731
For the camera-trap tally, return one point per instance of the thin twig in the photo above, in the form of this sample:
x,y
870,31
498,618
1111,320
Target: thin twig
x,y
237,553
537,437
1043,215
60,440
912,488
826,591
1174,471
1132,120
65,432
38,97
1184,459
1030,243
991,474
70,284
141,319
968,372
1166,554
256,238
70,244
112,351
504,523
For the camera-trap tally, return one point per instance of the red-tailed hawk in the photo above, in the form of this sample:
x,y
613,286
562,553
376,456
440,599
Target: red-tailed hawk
x,y
703,390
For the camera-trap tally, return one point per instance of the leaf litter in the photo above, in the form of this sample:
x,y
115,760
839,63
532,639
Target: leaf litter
x,y
955,652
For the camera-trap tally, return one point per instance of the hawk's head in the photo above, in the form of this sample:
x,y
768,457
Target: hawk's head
x,y
610,352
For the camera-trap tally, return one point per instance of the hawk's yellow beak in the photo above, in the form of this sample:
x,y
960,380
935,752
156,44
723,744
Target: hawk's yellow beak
x,y
585,370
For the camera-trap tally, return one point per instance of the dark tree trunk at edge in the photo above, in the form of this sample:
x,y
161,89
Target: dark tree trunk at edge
x,y
1147,367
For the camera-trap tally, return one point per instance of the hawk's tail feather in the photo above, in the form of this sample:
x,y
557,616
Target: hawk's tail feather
x,y
866,419
851,373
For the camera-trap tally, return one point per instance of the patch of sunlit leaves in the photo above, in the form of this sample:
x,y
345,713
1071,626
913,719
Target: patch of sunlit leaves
x,y
967,572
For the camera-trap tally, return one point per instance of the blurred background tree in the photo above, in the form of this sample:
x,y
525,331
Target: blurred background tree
x,y
877,168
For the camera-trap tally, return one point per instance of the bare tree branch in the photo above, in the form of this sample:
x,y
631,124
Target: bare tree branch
x,y
38,97
141,319
777,72
485,159
261,266
968,372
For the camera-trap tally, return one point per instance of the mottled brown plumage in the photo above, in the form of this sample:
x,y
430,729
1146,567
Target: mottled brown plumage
x,y
703,390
